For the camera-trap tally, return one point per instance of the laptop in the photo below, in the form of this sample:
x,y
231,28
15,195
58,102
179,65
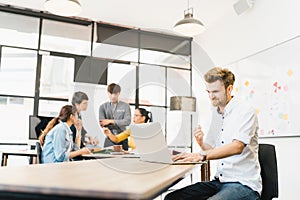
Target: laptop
x,y
151,144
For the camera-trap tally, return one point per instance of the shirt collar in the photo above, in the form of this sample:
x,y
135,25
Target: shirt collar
x,y
67,127
230,105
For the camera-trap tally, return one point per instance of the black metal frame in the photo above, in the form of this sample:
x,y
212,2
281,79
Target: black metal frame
x,y
80,21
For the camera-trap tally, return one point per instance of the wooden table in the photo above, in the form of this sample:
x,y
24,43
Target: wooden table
x,y
111,178
31,153
101,155
205,167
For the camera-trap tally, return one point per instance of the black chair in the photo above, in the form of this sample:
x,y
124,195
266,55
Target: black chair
x,y
269,174
39,152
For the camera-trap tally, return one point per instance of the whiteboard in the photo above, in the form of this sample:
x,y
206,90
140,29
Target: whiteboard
x,y
270,81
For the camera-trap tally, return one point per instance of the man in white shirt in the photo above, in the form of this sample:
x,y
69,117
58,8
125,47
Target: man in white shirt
x,y
232,139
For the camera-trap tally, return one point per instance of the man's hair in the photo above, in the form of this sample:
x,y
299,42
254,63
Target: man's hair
x,y
113,88
78,97
218,73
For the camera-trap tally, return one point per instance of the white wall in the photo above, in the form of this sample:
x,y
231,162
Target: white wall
x,y
234,37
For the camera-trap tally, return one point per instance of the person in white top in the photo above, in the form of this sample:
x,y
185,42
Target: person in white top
x,y
232,139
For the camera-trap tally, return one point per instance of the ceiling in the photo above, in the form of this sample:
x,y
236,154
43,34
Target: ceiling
x,y
158,15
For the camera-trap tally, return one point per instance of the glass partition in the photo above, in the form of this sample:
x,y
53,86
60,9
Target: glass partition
x,y
118,43
14,33
18,71
14,119
165,59
179,128
66,37
57,76
178,83
125,76
152,85
51,108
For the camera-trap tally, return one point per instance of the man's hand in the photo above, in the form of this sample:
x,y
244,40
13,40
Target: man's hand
x,y
106,131
198,133
78,125
105,122
188,157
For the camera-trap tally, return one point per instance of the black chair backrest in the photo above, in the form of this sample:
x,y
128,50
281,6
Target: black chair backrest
x,y
39,152
269,174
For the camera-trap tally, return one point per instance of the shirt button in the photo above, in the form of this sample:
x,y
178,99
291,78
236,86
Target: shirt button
x,y
220,174
222,142
222,164
222,129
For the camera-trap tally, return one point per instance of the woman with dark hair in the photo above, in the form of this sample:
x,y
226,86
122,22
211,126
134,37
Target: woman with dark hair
x,y
56,139
141,115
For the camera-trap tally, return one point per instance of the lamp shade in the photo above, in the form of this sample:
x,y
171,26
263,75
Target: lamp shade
x,y
63,7
189,26
183,103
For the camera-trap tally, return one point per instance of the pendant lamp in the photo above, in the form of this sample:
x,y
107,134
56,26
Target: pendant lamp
x,y
189,26
63,7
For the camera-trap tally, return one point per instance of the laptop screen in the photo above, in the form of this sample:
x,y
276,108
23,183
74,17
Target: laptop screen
x,y
150,142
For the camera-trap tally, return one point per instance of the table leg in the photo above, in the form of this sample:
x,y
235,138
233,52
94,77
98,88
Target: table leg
x,y
34,160
4,159
205,171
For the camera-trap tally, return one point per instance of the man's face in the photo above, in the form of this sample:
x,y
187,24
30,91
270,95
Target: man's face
x,y
114,97
218,94
82,106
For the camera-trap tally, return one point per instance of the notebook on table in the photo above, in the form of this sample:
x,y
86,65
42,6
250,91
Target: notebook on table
x,y
151,144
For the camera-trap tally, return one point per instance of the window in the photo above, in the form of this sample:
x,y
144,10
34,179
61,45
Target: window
x,y
14,119
163,58
178,83
50,108
66,37
18,71
57,76
14,33
116,43
164,50
179,128
125,76
152,85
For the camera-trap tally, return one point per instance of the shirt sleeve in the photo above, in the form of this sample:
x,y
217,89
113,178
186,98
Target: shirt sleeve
x,y
102,112
127,118
75,147
123,136
60,145
247,127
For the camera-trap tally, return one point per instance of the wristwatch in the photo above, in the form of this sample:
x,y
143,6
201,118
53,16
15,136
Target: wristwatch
x,y
203,154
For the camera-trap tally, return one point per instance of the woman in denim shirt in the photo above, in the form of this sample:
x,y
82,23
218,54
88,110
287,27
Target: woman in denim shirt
x,y
58,145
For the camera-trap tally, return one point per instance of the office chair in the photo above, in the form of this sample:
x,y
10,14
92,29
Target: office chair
x,y
39,152
269,174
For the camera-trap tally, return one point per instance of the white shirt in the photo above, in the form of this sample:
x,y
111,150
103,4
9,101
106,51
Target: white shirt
x,y
239,122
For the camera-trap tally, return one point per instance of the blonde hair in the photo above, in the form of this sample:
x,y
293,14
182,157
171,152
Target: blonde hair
x,y
221,74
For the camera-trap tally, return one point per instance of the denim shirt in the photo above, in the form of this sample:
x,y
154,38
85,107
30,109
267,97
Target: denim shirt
x,y
58,144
